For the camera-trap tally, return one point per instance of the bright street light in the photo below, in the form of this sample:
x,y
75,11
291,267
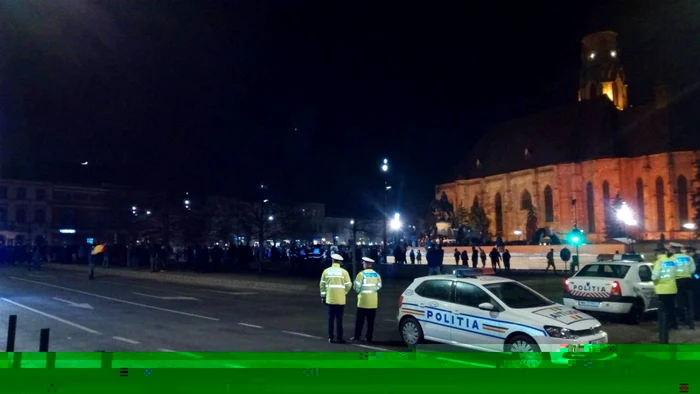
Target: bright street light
x,y
352,222
270,218
385,165
266,200
625,215
689,226
148,212
395,223
518,232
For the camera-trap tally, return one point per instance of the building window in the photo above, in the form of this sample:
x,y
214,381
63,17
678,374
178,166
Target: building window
x,y
660,212
21,193
606,195
525,200
682,200
590,208
640,202
40,194
3,214
475,202
3,192
499,213
21,215
40,216
548,204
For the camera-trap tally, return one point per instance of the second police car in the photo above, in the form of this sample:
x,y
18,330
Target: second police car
x,y
490,313
616,287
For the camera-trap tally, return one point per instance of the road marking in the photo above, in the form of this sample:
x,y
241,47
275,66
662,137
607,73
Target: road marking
x,y
466,362
381,349
301,334
167,350
75,304
127,340
41,276
118,300
167,298
76,325
231,292
250,325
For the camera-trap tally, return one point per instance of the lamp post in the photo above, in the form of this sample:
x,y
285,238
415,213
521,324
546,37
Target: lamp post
x,y
261,225
385,169
625,215
691,226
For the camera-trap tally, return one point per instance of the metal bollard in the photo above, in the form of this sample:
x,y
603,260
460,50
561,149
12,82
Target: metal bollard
x,y
11,331
44,340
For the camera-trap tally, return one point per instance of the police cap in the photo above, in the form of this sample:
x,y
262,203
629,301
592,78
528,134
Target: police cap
x,y
367,260
336,257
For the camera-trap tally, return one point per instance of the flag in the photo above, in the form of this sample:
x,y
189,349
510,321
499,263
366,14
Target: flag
x,y
684,388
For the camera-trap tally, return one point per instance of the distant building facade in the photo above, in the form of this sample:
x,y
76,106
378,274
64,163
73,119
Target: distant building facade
x,y
570,162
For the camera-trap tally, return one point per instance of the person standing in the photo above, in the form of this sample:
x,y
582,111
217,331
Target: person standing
x,y
465,258
434,257
482,255
495,259
335,285
419,257
412,256
457,256
506,260
367,285
664,276
475,257
685,268
96,253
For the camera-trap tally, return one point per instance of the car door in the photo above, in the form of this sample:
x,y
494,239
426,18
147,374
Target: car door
x,y
645,287
472,326
434,300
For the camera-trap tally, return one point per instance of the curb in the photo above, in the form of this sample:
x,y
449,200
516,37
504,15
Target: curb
x,y
190,279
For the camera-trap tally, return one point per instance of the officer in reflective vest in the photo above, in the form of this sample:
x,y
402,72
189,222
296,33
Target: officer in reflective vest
x,y
685,268
335,285
367,285
664,277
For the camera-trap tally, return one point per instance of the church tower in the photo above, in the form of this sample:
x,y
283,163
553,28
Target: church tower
x,y
601,71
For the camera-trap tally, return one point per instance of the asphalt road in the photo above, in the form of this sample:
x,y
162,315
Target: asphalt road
x,y
118,314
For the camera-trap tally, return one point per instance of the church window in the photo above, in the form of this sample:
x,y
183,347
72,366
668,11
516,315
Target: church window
x,y
606,195
525,200
660,211
590,208
548,204
499,213
640,202
682,200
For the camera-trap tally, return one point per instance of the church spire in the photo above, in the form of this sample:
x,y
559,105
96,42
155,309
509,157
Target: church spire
x,y
601,71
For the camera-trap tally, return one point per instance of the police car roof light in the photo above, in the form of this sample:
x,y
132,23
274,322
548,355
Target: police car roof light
x,y
472,272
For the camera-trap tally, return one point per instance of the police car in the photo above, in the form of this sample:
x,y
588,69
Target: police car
x,y
622,288
489,313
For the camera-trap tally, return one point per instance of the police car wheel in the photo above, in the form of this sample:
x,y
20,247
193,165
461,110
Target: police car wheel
x,y
636,313
528,351
411,331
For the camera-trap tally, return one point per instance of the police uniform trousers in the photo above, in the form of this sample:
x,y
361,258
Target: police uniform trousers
x,y
369,315
335,315
685,300
666,316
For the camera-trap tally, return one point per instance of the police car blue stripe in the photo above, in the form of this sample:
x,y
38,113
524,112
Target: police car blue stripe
x,y
461,329
485,318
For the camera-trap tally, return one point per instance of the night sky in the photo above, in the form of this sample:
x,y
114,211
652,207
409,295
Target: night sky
x,y
308,97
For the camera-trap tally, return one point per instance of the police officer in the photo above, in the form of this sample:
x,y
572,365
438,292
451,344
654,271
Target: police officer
x,y
367,285
685,268
664,277
335,285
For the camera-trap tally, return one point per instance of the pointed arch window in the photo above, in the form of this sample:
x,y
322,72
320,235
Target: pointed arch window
x,y
475,202
660,210
525,200
499,213
548,204
590,208
606,195
640,201
682,200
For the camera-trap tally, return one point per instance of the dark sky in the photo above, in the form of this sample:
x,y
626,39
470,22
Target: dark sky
x,y
306,96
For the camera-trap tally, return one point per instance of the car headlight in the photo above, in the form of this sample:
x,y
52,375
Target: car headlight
x,y
559,332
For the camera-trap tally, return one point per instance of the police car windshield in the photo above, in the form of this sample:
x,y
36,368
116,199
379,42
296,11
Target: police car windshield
x,y
517,296
604,271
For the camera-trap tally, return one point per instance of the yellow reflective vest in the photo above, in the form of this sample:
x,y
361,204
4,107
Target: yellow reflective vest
x,y
685,266
664,275
335,284
367,284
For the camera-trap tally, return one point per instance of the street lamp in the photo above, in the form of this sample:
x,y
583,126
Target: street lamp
x,y
385,169
625,215
270,218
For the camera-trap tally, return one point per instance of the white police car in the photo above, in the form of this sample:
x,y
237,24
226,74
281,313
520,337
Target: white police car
x,y
613,287
490,313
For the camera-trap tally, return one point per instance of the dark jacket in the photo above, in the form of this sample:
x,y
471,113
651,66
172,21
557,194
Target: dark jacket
x,y
434,257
